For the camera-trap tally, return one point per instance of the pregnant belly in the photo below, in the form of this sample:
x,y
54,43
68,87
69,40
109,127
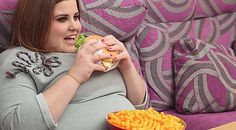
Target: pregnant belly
x,y
91,115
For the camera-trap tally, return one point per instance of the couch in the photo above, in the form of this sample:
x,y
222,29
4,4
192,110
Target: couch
x,y
182,48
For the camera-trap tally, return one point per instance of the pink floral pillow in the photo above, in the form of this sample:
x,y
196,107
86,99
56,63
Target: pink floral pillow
x,y
205,77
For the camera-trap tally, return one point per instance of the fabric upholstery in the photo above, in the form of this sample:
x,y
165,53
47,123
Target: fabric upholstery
x,y
6,14
212,21
154,49
7,5
155,41
110,21
5,28
184,10
205,77
120,18
170,10
205,121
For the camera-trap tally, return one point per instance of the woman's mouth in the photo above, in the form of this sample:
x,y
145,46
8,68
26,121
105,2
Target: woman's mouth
x,y
70,40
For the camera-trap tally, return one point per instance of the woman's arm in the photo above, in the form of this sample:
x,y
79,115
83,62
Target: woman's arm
x,y
135,85
60,94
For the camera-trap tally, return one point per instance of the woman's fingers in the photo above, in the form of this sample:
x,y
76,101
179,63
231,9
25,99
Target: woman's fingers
x,y
110,40
93,46
98,57
99,67
118,48
121,56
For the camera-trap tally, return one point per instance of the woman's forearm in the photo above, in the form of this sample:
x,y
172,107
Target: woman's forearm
x,y
135,85
59,95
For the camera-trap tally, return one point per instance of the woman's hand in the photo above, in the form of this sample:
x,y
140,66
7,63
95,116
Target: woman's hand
x,y
86,60
123,56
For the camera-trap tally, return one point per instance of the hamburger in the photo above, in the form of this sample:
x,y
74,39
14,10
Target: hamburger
x,y
108,62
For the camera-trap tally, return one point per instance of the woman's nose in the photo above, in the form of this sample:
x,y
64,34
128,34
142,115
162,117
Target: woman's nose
x,y
73,26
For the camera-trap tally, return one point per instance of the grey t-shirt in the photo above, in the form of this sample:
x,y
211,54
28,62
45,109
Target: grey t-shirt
x,y
24,75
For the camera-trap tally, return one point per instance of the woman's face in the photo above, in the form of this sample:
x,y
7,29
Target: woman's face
x,y
65,27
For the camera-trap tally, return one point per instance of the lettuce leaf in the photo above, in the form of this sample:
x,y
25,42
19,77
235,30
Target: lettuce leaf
x,y
80,40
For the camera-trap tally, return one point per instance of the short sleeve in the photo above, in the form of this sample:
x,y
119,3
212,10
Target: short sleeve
x,y
45,111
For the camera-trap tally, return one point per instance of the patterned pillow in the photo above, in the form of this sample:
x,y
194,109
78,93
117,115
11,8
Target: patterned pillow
x,y
121,19
5,28
206,8
155,41
234,45
154,50
205,77
170,10
7,5
6,15
183,10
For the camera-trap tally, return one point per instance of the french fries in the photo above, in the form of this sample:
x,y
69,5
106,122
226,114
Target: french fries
x,y
145,120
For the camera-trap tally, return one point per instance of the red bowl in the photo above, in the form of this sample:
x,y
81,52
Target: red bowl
x,y
111,126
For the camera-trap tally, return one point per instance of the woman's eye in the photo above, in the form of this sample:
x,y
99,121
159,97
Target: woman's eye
x,y
62,19
76,17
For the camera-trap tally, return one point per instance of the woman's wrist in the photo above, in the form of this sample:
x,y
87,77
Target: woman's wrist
x,y
75,78
124,67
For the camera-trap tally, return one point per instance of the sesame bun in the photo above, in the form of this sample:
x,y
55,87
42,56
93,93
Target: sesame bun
x,y
93,37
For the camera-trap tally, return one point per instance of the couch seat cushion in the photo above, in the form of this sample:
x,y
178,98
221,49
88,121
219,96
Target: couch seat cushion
x,y
205,121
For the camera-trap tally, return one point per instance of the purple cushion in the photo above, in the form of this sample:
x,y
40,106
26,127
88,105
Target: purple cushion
x,y
7,5
206,8
155,41
154,51
205,77
169,10
6,15
184,10
205,121
5,28
102,4
121,19
134,54
234,45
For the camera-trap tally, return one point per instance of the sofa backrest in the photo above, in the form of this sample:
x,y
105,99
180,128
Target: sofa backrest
x,y
213,21
149,29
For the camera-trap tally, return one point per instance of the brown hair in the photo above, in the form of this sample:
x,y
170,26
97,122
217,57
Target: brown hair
x,y
32,22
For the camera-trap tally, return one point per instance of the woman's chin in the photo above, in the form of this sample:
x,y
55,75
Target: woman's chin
x,y
67,50
71,50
